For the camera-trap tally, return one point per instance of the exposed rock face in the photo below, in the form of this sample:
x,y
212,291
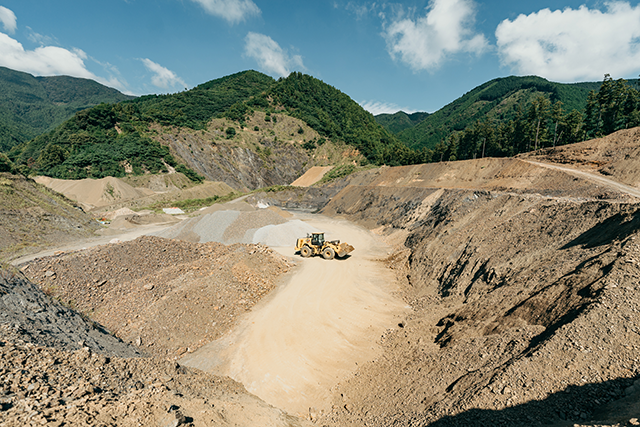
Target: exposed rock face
x,y
257,154
240,167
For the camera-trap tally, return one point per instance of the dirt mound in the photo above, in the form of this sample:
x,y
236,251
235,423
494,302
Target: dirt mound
x,y
311,176
32,217
166,296
616,156
109,194
94,193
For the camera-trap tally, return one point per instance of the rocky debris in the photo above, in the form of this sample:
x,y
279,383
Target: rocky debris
x,y
167,297
46,386
25,310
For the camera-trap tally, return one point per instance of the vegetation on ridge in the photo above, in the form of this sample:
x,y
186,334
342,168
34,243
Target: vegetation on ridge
x,y
32,105
540,124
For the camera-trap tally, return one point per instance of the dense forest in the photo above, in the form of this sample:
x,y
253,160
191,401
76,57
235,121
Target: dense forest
x,y
501,118
498,100
542,123
32,105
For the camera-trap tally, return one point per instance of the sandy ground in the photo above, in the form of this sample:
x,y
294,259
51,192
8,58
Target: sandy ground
x,y
315,330
311,176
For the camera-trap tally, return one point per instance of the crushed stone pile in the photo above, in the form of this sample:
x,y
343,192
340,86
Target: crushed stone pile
x,y
267,226
27,311
47,386
167,297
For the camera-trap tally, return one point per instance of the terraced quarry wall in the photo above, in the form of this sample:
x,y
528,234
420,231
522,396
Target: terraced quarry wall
x,y
523,283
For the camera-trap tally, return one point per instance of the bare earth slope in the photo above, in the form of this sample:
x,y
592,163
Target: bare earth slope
x,y
523,282
614,156
33,217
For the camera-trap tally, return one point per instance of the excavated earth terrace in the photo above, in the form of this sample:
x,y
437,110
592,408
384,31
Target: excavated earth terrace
x,y
518,283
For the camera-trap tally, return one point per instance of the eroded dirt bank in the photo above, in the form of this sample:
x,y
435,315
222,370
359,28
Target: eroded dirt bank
x,y
320,325
524,306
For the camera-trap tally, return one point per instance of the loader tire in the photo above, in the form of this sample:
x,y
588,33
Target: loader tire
x,y
305,252
328,253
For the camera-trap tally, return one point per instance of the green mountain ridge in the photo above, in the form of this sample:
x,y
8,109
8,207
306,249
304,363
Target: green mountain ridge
x,y
108,139
32,105
397,122
497,99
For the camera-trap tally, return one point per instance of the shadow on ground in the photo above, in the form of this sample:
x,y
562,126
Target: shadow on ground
x,y
610,402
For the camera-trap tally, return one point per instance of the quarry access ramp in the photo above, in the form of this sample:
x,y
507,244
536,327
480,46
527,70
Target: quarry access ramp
x,y
317,327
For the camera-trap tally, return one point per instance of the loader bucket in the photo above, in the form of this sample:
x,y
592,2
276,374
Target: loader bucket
x,y
344,249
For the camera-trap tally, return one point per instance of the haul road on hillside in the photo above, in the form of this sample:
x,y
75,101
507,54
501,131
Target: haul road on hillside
x,y
314,244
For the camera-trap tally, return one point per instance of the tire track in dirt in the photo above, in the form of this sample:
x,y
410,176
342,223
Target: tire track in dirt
x,y
315,330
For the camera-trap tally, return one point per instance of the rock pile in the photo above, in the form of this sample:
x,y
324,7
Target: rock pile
x,y
165,296
26,311
46,386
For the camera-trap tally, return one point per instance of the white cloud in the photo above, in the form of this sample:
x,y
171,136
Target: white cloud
x,y
231,10
270,56
376,107
360,10
48,61
8,19
445,30
572,45
163,77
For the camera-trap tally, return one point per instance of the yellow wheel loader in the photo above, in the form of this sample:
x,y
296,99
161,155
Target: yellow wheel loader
x,y
314,244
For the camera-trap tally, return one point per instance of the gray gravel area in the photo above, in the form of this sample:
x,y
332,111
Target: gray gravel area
x,y
25,311
231,226
282,234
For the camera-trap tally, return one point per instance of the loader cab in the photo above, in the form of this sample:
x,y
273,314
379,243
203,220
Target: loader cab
x,y
317,239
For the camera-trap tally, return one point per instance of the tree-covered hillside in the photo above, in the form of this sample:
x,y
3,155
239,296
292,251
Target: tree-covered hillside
x,y
397,122
32,105
110,138
499,100
503,117
538,123
336,116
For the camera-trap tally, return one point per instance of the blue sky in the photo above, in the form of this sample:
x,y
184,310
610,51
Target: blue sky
x,y
388,56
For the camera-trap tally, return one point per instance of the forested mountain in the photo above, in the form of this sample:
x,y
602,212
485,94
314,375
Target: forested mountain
x,y
501,118
107,139
400,121
542,119
498,100
32,105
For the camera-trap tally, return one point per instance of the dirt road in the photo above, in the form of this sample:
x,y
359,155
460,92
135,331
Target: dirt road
x,y
315,329
633,191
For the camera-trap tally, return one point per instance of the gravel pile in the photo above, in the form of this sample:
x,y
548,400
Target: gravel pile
x,y
264,226
27,311
167,297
